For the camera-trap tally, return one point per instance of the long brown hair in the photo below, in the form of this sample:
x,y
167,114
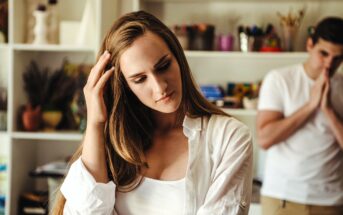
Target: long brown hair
x,y
128,131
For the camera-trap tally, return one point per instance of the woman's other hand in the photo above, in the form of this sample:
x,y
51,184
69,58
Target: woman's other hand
x,y
94,89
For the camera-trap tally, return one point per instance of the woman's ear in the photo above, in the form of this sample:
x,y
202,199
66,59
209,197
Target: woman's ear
x,y
309,44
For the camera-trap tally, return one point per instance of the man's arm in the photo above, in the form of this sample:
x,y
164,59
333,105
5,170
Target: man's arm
x,y
273,127
335,123
336,126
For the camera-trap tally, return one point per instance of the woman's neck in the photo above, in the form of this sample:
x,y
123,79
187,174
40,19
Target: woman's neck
x,y
167,121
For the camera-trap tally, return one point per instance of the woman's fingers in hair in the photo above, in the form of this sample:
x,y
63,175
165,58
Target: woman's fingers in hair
x,y
103,79
98,69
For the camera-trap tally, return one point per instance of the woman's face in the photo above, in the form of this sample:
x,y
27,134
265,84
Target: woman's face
x,y
153,73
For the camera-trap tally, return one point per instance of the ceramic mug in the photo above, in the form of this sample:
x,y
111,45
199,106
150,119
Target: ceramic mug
x,y
225,42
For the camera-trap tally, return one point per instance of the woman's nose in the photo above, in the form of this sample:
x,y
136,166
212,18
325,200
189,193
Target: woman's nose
x,y
159,84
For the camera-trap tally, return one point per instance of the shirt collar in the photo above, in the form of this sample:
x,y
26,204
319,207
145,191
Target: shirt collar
x,y
192,125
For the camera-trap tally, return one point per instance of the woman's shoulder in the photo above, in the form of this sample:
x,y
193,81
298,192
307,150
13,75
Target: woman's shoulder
x,y
225,122
216,124
227,129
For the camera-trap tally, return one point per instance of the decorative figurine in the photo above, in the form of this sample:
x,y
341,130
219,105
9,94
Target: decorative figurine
x,y
40,30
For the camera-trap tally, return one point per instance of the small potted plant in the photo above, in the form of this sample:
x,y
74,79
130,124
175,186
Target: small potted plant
x,y
58,94
49,97
30,113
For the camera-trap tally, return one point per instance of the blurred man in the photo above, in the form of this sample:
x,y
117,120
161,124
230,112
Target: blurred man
x,y
301,131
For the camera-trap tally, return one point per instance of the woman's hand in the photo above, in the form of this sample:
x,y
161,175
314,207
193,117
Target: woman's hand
x,y
94,89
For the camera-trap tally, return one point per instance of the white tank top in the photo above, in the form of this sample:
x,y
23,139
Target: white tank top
x,y
153,197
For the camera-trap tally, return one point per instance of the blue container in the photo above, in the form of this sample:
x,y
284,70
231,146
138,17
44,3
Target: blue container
x,y
3,167
212,92
2,204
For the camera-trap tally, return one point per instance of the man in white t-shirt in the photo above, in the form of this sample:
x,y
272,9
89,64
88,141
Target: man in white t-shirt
x,y
301,131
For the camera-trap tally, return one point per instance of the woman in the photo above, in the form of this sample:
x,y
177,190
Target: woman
x,y
153,144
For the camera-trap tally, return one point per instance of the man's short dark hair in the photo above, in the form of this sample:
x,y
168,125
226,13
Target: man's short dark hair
x,y
329,29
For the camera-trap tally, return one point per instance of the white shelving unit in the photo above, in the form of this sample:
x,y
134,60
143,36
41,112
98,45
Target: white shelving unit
x,y
26,150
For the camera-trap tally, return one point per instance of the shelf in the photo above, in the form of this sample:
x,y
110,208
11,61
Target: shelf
x,y
3,46
264,55
3,133
64,136
240,112
52,48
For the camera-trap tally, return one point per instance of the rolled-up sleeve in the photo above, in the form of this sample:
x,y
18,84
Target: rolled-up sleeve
x,y
84,195
231,187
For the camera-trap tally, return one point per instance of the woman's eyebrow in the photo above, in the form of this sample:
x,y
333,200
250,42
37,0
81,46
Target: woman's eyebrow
x,y
160,61
136,75
156,66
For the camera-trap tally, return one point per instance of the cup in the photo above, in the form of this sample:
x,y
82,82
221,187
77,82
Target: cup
x,y
225,42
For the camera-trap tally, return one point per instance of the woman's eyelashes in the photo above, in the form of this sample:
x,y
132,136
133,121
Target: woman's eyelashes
x,y
139,80
164,67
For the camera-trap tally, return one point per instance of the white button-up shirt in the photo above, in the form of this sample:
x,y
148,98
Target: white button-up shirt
x,y
218,177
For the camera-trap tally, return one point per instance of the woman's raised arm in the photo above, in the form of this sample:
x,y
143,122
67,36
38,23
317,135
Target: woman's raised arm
x,y
93,151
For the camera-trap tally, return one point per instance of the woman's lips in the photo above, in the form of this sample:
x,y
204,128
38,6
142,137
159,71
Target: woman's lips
x,y
165,98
